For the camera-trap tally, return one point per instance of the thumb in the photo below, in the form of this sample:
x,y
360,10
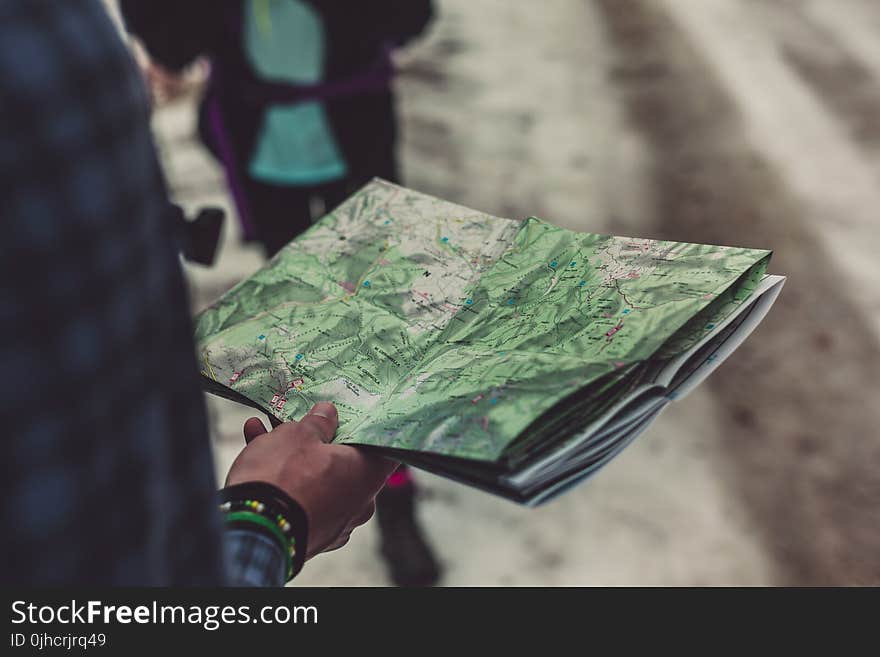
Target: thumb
x,y
321,421
253,428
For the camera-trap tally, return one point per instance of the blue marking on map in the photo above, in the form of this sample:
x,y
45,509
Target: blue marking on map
x,y
626,311
469,301
261,337
444,239
572,264
366,283
554,263
510,302
298,356
582,283
494,400
710,326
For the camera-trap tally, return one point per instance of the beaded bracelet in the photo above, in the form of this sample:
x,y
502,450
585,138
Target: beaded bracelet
x,y
268,507
288,543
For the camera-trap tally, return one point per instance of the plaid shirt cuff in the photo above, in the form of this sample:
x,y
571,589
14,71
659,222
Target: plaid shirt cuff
x,y
252,559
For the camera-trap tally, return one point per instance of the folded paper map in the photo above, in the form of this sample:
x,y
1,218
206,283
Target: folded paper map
x,y
515,356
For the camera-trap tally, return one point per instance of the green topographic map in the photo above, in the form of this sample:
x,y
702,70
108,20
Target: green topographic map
x,y
444,330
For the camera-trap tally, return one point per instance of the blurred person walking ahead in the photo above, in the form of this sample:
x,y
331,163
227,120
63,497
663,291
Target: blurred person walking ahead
x,y
299,106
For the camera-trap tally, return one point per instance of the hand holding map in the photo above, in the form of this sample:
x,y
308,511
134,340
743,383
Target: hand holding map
x,y
300,460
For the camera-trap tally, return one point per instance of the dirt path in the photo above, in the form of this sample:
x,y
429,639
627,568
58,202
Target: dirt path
x,y
800,432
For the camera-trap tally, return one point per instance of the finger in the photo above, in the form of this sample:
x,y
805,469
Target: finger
x,y
341,542
335,544
372,470
253,428
365,515
377,468
322,421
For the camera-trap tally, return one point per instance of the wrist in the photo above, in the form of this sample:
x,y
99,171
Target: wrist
x,y
267,509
